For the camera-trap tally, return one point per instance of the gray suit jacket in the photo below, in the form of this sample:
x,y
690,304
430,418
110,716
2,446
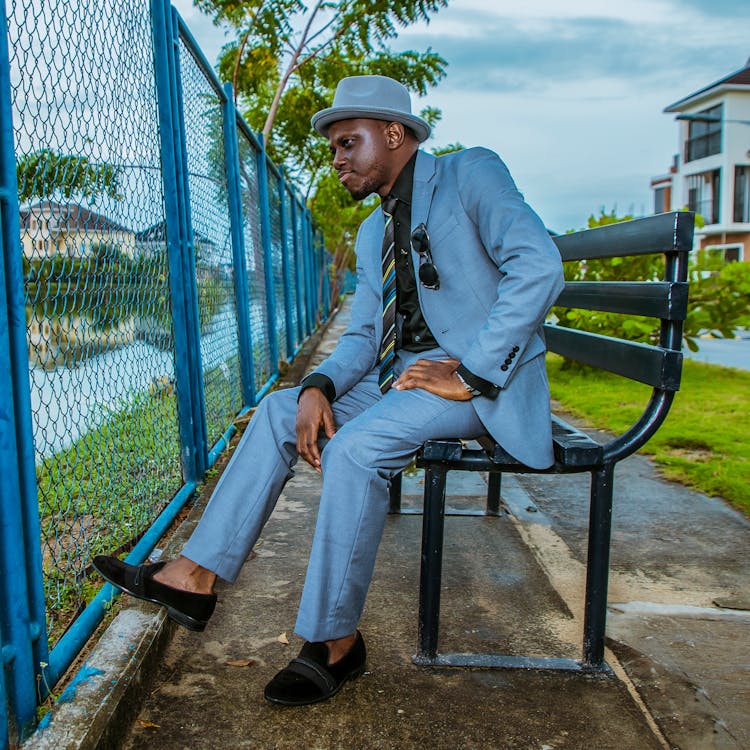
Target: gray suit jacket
x,y
499,275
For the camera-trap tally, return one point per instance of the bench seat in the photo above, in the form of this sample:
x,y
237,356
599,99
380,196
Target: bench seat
x,y
574,451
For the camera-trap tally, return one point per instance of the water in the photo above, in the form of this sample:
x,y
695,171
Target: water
x,y
68,401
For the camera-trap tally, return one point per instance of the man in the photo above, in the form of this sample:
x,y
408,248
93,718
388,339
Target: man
x,y
455,276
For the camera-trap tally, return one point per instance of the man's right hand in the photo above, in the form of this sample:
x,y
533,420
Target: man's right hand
x,y
313,412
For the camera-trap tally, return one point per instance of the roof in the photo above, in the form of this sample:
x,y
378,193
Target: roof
x,y
154,233
72,216
739,79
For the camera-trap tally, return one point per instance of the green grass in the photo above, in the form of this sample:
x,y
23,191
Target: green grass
x,y
99,494
103,491
703,442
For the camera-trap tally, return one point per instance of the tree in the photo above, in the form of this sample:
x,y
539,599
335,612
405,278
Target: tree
x,y
284,63
47,174
718,299
282,43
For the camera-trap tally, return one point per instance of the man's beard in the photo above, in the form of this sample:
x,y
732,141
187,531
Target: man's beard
x,y
361,194
370,185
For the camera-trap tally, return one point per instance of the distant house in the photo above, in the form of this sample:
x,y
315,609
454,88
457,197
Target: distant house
x,y
50,228
153,240
711,172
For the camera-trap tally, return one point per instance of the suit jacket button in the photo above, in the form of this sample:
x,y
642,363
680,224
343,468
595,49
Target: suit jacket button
x,y
512,355
508,361
515,348
503,367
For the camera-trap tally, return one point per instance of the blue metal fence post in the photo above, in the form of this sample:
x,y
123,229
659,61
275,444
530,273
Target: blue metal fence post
x,y
326,276
325,270
316,272
265,229
23,639
171,156
305,250
330,280
236,218
188,257
15,618
4,740
285,269
297,280
318,276
304,253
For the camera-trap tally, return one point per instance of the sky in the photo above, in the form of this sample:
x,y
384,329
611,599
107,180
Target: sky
x,y
570,93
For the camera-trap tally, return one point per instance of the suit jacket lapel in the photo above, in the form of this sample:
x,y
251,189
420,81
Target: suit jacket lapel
x,y
424,187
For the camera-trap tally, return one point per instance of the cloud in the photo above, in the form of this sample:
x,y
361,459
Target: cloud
x,y
509,55
731,9
486,50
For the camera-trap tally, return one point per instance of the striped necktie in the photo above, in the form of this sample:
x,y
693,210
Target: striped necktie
x,y
388,344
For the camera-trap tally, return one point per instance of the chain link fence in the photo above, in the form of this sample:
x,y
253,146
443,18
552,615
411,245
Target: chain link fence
x,y
209,217
99,247
255,260
277,245
101,364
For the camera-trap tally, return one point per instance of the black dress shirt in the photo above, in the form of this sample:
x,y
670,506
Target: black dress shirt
x,y
415,334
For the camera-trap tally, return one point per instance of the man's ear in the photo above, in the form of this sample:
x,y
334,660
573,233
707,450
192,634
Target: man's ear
x,y
395,134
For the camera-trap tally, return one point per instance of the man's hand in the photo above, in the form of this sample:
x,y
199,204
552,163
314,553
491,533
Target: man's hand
x,y
436,376
313,412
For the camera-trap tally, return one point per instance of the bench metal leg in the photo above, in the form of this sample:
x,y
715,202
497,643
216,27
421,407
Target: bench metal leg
x,y
433,523
395,493
600,526
493,493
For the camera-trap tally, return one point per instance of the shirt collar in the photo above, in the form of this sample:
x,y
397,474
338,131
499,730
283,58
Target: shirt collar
x,y
402,188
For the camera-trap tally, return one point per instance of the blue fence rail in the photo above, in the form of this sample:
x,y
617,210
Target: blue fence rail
x,y
156,269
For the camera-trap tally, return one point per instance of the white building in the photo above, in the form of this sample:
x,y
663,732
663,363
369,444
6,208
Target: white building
x,y
711,171
49,228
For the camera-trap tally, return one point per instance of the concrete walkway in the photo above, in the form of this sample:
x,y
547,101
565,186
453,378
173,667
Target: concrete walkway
x,y
679,631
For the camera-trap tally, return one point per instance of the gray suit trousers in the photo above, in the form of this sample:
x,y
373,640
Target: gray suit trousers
x,y
376,437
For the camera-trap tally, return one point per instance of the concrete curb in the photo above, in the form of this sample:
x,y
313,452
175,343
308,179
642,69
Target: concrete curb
x,y
98,706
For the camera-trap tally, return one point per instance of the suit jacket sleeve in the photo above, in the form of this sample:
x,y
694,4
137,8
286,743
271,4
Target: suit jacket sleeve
x,y
531,271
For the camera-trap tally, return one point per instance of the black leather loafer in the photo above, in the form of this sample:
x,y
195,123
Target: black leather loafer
x,y
310,679
184,607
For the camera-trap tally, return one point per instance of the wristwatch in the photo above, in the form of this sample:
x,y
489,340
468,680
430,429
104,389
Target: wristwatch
x,y
470,389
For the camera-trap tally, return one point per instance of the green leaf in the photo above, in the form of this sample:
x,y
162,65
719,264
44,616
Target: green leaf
x,y
47,174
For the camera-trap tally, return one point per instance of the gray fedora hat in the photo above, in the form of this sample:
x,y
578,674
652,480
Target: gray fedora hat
x,y
373,98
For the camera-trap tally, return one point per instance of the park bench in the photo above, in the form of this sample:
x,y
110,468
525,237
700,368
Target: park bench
x,y
658,366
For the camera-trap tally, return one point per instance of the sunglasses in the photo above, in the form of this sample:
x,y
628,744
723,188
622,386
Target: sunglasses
x,y
428,275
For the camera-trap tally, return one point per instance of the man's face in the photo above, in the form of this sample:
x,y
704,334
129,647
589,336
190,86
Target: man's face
x,y
361,155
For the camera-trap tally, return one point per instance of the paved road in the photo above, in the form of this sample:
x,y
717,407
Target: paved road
x,y
728,352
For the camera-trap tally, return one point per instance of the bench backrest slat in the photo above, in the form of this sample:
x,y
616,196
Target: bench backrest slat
x,y
655,299
652,365
662,233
